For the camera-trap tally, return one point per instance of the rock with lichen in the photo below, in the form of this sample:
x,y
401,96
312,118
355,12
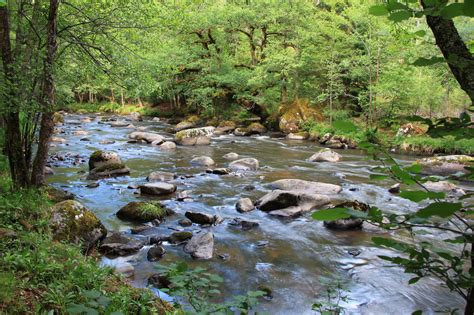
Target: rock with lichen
x,y
73,222
106,164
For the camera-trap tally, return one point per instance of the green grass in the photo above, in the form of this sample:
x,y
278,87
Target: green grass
x,y
39,275
428,145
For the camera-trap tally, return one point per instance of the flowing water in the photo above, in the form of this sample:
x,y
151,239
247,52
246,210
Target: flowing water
x,y
300,251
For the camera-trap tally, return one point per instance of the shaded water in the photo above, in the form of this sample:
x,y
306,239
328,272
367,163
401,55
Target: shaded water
x,y
299,252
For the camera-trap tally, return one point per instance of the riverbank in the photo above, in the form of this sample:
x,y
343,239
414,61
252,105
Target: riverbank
x,y
322,132
40,275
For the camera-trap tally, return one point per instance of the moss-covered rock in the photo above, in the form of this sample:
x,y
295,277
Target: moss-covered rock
x,y
293,113
142,211
195,136
73,222
257,128
57,195
101,158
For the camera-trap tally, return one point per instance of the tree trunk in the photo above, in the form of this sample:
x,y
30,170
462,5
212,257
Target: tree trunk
x,y
13,137
47,99
459,58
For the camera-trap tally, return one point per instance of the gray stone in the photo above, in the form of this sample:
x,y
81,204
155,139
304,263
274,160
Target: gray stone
x,y
159,176
201,246
244,205
247,164
155,253
149,137
157,188
203,161
307,186
119,244
231,156
325,155
200,218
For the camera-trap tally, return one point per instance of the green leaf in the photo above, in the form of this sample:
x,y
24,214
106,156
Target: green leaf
x,y
405,177
399,16
378,176
92,294
378,10
3,3
414,168
420,33
424,62
419,195
440,209
453,10
331,214
414,280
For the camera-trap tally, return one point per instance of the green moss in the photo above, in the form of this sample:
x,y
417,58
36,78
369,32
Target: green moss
x,y
227,123
153,210
96,155
142,211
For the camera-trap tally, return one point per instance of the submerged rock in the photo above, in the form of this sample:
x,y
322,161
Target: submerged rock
x,y
325,155
306,186
201,246
143,211
185,222
244,205
118,244
157,188
446,165
73,222
247,164
203,161
194,136
231,156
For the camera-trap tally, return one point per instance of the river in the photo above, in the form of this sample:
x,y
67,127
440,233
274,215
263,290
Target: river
x,y
300,251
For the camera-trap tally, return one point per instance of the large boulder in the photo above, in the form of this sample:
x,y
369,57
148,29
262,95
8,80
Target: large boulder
x,y
188,123
143,211
293,113
446,165
73,222
256,128
247,164
148,137
194,136
103,158
106,164
201,246
444,186
350,223
325,155
306,186
160,176
290,203
203,161
157,188
118,244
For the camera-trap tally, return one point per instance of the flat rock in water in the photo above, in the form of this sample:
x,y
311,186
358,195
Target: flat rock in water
x,y
244,224
281,199
119,124
247,164
146,136
201,246
157,188
325,155
306,186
